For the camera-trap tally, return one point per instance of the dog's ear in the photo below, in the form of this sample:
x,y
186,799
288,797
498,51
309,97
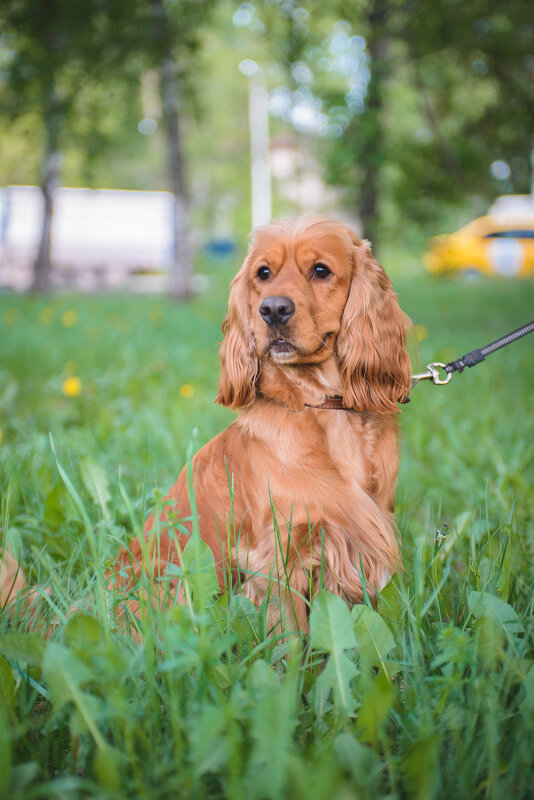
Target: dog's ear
x,y
371,344
240,364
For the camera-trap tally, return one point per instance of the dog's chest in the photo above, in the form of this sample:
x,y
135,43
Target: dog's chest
x,y
313,465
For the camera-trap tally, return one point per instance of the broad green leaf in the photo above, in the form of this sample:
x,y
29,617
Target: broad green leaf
x,y
5,753
29,647
84,631
483,604
198,565
65,674
222,675
93,707
7,690
375,708
331,630
272,726
390,605
59,506
262,678
96,482
527,704
374,638
209,743
337,675
359,760
244,618
489,638
331,627
91,643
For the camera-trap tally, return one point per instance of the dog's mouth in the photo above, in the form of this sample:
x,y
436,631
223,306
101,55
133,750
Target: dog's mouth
x,y
281,349
282,346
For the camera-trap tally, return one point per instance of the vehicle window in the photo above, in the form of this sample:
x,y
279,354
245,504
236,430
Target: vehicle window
x,y
521,234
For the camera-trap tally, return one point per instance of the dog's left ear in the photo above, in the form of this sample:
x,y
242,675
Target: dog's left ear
x,y
371,344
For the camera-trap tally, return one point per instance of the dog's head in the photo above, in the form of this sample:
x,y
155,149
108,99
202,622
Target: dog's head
x,y
309,291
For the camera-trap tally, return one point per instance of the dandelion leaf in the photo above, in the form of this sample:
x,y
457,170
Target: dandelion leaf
x,y
483,604
199,569
28,647
373,636
331,630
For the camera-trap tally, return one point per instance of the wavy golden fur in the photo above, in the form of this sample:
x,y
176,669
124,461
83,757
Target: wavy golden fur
x,y
311,316
328,475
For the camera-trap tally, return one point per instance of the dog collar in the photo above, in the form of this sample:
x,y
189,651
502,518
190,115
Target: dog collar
x,y
332,402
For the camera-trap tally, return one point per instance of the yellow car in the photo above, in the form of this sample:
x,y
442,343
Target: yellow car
x,y
497,244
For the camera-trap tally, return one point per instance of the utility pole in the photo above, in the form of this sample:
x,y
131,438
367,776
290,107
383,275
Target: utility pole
x,y
259,143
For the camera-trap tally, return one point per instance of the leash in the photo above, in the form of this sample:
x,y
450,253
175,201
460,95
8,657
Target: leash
x,y
435,370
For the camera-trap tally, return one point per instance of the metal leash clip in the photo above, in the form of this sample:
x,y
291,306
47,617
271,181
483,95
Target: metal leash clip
x,y
432,374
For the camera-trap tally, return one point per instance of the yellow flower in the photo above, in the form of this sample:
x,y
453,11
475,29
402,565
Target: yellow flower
x,y
420,332
72,387
11,315
187,390
69,318
46,315
1,435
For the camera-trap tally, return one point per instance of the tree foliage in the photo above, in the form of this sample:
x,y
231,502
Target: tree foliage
x,y
450,92
59,62
407,121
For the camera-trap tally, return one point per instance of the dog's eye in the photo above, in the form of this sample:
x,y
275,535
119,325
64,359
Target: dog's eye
x,y
320,270
263,273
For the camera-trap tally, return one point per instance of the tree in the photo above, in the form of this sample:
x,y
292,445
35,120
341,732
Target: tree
x,y
55,50
171,43
443,92
60,49
466,71
43,39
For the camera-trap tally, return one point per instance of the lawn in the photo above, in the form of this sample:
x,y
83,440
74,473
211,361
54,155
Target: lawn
x,y
429,695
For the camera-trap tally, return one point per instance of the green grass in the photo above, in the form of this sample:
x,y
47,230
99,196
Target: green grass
x,y
431,695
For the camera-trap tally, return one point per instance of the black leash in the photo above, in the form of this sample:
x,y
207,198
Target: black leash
x,y
434,370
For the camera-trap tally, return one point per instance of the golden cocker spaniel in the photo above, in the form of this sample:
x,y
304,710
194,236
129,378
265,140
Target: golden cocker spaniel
x,y
314,358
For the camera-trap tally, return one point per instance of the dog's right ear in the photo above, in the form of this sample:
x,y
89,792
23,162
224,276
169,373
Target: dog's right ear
x,y
240,363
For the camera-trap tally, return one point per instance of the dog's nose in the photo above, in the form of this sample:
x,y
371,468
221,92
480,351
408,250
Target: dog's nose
x,y
277,310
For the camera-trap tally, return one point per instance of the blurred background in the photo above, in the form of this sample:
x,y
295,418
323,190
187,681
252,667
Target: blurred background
x,y
141,140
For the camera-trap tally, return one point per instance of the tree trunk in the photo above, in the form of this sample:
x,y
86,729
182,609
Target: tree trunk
x,y
372,145
182,266
42,266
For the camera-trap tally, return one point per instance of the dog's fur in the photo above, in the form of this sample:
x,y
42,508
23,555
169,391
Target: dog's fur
x,y
313,487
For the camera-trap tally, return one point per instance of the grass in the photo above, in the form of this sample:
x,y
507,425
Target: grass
x,y
429,695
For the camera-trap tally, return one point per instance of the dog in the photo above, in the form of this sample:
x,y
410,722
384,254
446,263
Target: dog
x,y
297,493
